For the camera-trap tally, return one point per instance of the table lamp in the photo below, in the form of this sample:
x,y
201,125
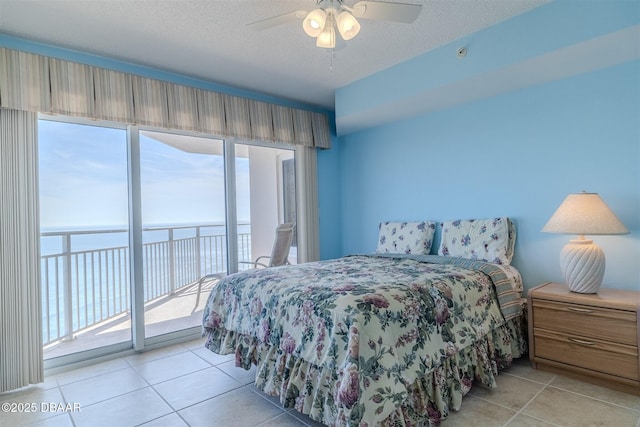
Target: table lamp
x,y
582,262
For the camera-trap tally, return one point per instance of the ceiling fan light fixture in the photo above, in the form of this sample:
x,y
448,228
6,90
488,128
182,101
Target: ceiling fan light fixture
x,y
348,25
314,22
327,38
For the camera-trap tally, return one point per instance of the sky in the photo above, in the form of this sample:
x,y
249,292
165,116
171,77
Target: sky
x,y
83,180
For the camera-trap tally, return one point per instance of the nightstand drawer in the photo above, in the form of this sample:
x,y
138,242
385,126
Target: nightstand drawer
x,y
615,359
588,321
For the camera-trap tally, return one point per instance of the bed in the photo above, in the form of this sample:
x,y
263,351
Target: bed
x,y
394,338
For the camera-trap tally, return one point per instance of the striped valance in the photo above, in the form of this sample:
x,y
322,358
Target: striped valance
x,y
37,83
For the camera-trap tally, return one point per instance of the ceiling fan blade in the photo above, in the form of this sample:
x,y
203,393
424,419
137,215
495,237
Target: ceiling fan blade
x,y
385,11
274,21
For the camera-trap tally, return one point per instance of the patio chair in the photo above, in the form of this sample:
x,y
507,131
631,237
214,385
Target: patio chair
x,y
279,255
279,251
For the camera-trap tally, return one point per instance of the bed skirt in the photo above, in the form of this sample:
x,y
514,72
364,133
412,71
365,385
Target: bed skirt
x,y
312,389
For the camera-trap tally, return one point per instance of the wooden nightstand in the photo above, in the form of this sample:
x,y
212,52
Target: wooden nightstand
x,y
593,337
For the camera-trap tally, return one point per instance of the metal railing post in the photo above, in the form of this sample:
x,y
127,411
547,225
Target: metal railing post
x,y
66,280
198,262
172,263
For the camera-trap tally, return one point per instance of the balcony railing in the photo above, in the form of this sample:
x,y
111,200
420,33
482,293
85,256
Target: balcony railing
x,y
87,285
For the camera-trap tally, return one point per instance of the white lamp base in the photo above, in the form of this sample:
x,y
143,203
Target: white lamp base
x,y
582,263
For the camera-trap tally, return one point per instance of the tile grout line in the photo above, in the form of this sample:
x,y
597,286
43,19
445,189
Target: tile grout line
x,y
520,411
556,376
595,398
137,372
91,376
210,398
528,379
270,419
551,385
240,385
543,384
173,411
58,386
176,411
64,399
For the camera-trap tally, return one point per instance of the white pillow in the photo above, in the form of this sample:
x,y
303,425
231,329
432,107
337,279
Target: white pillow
x,y
490,240
406,237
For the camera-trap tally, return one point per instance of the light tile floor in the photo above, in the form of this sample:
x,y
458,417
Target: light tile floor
x,y
187,385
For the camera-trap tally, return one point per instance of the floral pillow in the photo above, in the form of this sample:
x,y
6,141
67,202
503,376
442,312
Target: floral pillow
x,y
406,237
490,240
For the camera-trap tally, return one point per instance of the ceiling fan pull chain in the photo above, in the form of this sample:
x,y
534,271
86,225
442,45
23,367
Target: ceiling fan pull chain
x,y
331,56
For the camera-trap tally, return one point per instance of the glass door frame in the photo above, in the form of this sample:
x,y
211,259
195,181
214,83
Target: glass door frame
x,y
138,342
136,268
53,364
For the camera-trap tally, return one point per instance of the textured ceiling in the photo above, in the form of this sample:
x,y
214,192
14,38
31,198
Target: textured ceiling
x,y
209,40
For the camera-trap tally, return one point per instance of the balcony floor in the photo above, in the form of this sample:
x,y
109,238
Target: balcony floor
x,y
166,314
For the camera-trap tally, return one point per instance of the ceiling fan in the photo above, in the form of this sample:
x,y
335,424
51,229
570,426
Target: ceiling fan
x,y
329,15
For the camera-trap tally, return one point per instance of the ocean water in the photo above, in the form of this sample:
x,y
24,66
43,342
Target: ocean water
x,y
95,237
98,268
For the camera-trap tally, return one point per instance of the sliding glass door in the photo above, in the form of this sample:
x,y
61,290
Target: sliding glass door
x,y
84,236
267,197
184,226
198,205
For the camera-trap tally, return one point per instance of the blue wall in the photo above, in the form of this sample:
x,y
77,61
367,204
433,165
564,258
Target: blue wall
x,y
558,39
330,201
517,155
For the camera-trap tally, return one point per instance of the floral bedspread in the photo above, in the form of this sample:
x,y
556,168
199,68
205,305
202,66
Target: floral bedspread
x,y
376,323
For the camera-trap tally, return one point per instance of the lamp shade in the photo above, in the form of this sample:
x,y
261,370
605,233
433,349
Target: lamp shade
x,y
582,262
584,213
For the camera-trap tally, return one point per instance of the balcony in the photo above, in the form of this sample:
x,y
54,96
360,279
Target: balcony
x,y
86,282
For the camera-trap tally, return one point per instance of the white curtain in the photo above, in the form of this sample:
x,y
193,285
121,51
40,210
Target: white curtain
x,y
237,117
283,124
210,112
320,127
150,102
182,102
24,81
71,88
21,358
261,121
112,95
307,199
302,127
43,84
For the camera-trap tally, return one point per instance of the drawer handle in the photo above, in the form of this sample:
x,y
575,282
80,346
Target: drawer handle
x,y
581,342
579,310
